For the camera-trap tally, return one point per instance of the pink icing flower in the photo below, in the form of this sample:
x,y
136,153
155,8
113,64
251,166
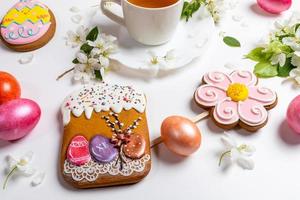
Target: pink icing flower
x,y
235,99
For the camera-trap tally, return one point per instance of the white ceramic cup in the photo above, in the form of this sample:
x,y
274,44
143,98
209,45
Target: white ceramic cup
x,y
149,26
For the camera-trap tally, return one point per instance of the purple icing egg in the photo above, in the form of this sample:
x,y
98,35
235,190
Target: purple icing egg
x,y
102,149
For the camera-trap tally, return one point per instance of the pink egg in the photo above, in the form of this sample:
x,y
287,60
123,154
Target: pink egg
x,y
293,115
17,118
274,6
78,151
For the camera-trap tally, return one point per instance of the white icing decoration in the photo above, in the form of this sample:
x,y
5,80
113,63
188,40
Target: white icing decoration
x,y
265,100
246,74
92,170
102,97
79,143
231,117
257,110
209,97
217,77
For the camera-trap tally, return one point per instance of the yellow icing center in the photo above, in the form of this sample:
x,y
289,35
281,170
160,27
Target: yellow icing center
x,y
237,92
34,15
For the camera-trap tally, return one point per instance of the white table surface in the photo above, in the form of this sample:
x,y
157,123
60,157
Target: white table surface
x,y
276,174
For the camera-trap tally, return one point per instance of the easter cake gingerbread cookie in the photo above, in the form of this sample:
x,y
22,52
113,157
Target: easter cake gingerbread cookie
x,y
106,138
235,99
27,26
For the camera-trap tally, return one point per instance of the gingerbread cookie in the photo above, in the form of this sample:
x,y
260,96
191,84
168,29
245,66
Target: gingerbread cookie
x,y
106,138
235,99
27,26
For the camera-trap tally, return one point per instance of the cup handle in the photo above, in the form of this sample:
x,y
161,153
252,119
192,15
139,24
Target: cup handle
x,y
108,13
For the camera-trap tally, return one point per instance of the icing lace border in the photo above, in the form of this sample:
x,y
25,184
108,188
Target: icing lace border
x,y
92,170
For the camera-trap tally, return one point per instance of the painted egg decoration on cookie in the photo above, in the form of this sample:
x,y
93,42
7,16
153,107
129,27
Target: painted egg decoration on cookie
x,y
102,149
28,25
136,146
78,151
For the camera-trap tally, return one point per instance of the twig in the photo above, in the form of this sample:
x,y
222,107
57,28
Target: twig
x,y
63,74
8,176
222,156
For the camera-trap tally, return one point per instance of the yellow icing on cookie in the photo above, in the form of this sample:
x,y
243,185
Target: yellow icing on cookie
x,y
37,13
237,92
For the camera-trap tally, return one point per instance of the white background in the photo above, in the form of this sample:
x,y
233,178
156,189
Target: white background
x,y
277,171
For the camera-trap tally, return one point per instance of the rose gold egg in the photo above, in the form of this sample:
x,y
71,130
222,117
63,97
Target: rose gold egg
x,y
180,135
136,146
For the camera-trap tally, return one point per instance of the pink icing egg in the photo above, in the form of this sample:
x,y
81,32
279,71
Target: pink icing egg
x,y
17,118
274,6
293,115
78,151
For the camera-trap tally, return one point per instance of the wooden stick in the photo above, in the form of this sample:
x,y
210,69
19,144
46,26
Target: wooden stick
x,y
196,119
200,117
156,142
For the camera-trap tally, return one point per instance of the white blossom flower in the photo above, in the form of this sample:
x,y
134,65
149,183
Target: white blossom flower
x,y
238,153
96,52
296,59
104,61
84,70
98,43
293,42
104,43
162,61
278,59
295,75
95,58
38,179
74,39
20,166
81,76
85,62
281,24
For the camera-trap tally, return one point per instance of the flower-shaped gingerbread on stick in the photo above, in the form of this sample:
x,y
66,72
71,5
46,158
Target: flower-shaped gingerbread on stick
x,y
230,99
235,99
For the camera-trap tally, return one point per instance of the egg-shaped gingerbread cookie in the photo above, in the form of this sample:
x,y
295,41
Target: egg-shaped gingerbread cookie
x,y
27,26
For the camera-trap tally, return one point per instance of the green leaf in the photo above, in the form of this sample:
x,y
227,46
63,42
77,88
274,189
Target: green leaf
x,y
297,26
86,48
98,75
265,70
231,41
284,71
189,8
75,61
93,34
256,54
